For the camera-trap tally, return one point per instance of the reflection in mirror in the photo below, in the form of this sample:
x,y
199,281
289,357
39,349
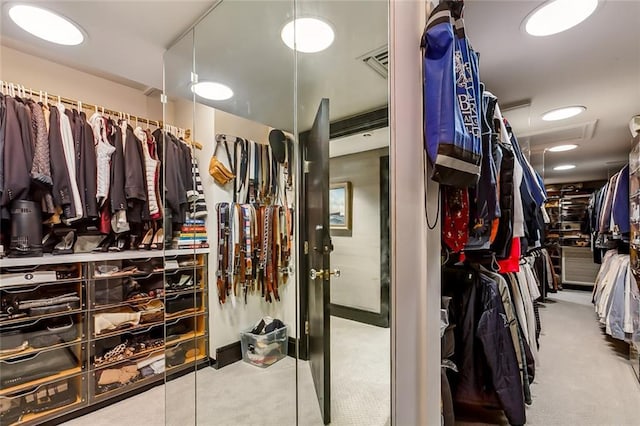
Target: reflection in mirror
x,y
184,281
344,370
245,92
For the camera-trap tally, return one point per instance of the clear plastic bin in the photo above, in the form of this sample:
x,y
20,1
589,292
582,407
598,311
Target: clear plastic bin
x,y
263,350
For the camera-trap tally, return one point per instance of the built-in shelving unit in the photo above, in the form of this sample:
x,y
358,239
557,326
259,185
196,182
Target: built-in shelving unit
x,y
81,329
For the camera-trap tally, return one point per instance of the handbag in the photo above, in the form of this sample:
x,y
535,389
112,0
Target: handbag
x,y
37,334
220,173
32,367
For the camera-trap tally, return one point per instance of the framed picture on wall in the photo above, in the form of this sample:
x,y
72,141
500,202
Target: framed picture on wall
x,y
340,204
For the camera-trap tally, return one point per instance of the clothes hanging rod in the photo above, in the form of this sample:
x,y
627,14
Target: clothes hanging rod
x,y
18,88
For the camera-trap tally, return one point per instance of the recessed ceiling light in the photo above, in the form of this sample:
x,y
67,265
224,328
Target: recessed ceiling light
x,y
307,35
558,15
563,113
46,25
565,167
212,90
562,148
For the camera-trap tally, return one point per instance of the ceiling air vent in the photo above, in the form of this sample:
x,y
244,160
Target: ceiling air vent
x,y
377,60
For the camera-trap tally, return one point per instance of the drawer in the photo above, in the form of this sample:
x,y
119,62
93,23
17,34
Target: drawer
x,y
30,336
129,317
36,404
113,291
128,375
183,279
125,346
40,300
123,268
179,304
185,328
40,274
40,367
186,353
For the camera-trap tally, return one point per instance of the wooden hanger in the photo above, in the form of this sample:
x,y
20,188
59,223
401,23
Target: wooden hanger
x,y
187,139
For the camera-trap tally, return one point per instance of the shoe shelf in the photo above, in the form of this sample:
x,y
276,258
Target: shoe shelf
x,y
51,355
49,259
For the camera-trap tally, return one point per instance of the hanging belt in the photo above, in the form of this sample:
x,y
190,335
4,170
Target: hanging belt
x,y
251,148
275,255
247,248
223,244
236,238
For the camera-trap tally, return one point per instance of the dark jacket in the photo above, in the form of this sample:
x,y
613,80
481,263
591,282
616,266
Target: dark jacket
x,y
173,189
59,173
144,206
488,368
116,187
88,170
17,150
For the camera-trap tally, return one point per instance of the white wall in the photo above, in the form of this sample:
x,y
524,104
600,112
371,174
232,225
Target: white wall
x,y
227,321
40,74
415,264
358,256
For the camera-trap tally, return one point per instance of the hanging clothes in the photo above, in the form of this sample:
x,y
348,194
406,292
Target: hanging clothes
x,y
450,103
68,147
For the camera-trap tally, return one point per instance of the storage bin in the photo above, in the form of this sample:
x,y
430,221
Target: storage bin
x,y
263,350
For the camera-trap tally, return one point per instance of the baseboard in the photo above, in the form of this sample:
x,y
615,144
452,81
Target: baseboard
x,y
228,354
292,346
360,315
582,287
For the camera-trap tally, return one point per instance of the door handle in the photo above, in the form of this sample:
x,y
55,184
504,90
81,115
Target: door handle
x,y
313,274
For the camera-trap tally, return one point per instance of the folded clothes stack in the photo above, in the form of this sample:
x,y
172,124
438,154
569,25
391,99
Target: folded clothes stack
x,y
113,378
193,234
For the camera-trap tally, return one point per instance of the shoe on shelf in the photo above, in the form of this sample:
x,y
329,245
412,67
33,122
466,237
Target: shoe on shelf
x,y
65,246
158,240
145,244
121,243
104,244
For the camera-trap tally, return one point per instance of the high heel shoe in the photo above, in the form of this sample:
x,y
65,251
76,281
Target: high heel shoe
x,y
120,243
65,246
158,240
146,241
105,244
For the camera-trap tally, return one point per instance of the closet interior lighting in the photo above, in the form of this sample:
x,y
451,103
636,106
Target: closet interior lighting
x,y
307,35
212,91
557,16
564,167
46,25
562,148
563,113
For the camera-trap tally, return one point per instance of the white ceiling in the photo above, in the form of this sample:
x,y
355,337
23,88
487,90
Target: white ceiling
x,y
359,142
596,64
125,39
239,44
